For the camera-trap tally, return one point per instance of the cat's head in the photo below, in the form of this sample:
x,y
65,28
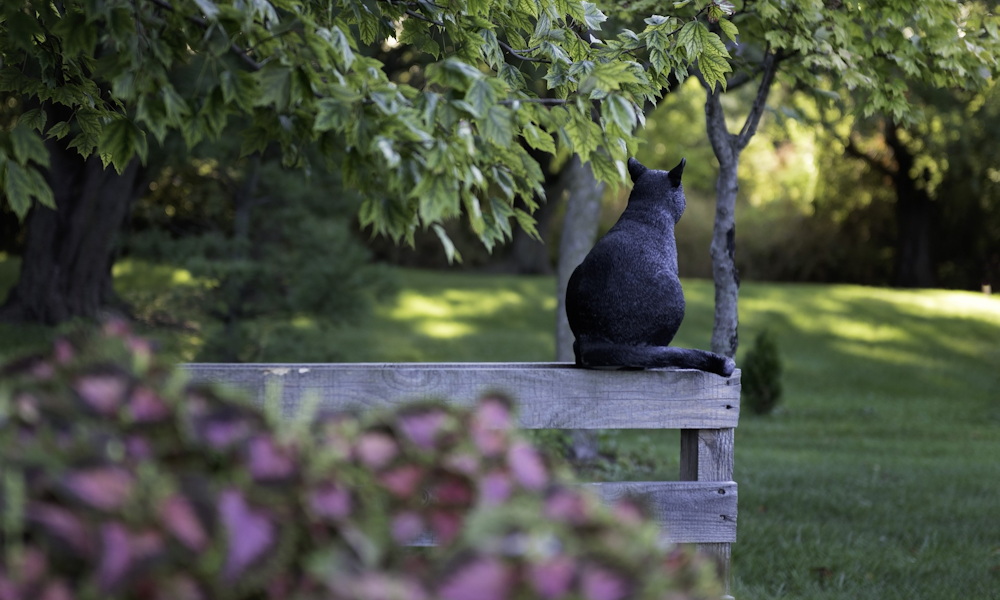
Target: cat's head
x,y
660,188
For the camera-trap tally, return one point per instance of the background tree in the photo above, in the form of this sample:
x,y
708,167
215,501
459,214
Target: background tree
x,y
873,53
89,86
273,250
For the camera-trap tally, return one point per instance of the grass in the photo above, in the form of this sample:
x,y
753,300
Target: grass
x,y
877,478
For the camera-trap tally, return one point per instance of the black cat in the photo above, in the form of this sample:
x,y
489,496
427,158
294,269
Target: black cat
x,y
625,301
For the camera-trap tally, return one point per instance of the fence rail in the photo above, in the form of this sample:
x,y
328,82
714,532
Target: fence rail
x,y
700,508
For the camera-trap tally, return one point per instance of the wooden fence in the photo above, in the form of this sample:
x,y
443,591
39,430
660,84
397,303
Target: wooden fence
x,y
699,508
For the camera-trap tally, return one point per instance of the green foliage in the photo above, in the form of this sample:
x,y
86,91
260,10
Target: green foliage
x,y
122,481
280,267
876,53
762,374
433,98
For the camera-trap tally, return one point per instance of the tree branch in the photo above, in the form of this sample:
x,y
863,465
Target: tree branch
x,y
723,142
421,17
517,53
770,68
548,101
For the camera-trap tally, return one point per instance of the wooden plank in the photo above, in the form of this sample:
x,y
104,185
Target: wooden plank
x,y
708,455
688,511
549,395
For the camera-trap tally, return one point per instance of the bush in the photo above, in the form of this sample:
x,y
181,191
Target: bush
x,y
122,481
762,375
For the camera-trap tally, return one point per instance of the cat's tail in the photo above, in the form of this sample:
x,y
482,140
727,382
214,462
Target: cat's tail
x,y
601,354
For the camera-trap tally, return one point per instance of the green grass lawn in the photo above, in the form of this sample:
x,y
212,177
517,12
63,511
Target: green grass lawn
x,y
877,478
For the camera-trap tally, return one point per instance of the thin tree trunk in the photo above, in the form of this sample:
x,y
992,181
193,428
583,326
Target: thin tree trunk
x,y
69,252
580,224
727,148
725,332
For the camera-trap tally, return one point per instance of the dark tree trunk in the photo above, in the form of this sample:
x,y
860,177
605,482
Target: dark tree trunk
x,y
914,218
69,252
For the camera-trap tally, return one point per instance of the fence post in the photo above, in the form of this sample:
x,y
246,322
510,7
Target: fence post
x,y
708,455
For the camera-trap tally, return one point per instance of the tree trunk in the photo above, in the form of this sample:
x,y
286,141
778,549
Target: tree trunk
x,y
580,224
914,219
725,332
727,148
583,212
69,252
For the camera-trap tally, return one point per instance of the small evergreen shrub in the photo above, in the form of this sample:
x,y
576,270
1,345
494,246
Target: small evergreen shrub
x,y
122,481
762,375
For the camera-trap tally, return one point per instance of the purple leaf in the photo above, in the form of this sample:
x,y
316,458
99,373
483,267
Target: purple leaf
x,y
382,586
138,447
489,426
452,490
249,533
179,587
103,393
33,565
268,462
116,555
222,432
402,481
180,519
628,511
598,583
116,328
331,501
56,590
61,524
495,412
376,450
145,406
466,463
481,579
568,506
553,577
527,466
63,351
406,527
495,488
446,525
423,427
104,488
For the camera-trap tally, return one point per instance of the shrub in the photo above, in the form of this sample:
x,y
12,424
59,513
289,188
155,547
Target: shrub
x,y
122,481
762,375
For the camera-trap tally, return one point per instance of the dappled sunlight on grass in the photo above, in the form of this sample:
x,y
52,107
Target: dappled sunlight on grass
x,y
453,313
144,275
459,316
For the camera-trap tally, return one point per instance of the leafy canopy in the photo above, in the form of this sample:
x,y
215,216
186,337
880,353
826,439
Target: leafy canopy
x,y
487,81
874,52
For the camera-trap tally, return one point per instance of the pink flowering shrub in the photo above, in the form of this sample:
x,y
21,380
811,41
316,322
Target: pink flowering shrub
x,y
120,480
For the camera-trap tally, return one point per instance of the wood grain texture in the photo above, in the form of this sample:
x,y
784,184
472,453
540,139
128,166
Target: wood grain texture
x,y
549,395
688,511
705,455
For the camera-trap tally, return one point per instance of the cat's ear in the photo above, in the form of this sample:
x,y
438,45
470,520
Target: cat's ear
x,y
635,169
676,172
